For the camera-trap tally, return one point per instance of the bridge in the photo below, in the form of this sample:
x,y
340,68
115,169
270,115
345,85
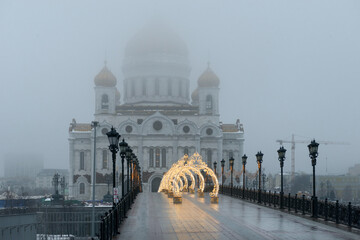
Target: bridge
x,y
177,211
155,216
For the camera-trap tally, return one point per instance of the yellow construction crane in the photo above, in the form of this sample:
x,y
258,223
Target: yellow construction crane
x,y
293,141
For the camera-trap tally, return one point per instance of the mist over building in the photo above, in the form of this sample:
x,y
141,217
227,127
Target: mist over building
x,y
22,165
156,116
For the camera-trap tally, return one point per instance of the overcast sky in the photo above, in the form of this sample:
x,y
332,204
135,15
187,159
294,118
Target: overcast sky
x,y
285,67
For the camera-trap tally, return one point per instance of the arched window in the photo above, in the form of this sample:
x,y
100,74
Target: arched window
x,y
151,157
104,102
82,188
82,161
169,87
144,87
157,87
209,158
133,88
157,157
209,104
163,158
104,159
180,88
186,151
125,88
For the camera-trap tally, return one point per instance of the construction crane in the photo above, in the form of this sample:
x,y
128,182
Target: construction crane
x,y
293,141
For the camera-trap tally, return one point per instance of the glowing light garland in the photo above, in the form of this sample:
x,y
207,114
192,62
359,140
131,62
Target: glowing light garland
x,y
175,180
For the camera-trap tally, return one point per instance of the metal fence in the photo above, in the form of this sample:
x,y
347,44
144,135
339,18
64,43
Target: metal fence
x,y
66,221
329,211
112,219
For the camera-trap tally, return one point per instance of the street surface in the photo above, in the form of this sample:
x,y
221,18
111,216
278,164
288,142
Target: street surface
x,y
154,216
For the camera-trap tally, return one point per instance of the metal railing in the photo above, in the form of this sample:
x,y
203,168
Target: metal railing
x,y
111,221
328,210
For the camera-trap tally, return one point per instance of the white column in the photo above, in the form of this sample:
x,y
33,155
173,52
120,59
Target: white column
x,y
71,167
220,151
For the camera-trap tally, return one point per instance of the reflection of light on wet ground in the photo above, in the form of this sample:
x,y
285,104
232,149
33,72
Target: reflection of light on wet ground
x,y
154,216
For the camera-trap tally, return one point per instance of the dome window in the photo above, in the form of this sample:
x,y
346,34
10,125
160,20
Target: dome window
x,y
157,87
169,87
209,131
105,102
132,88
180,88
143,81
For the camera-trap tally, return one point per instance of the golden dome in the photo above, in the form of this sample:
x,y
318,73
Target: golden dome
x,y
105,78
208,79
195,95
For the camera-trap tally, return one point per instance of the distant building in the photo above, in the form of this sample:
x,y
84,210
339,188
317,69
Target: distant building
x,y
355,170
158,119
45,177
22,165
338,187
286,181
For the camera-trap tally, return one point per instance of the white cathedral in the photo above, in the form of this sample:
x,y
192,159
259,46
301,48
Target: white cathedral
x,y
156,117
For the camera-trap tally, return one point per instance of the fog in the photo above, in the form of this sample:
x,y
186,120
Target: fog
x,y
285,67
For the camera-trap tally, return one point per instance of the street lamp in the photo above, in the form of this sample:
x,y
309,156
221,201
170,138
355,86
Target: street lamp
x,y
259,160
94,125
231,161
123,146
55,183
222,175
133,157
63,185
281,153
313,153
215,164
134,167
113,137
128,159
244,158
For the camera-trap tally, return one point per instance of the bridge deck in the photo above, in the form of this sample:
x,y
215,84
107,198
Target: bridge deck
x,y
154,216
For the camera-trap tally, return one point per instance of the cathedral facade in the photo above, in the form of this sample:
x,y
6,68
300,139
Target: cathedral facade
x,y
156,117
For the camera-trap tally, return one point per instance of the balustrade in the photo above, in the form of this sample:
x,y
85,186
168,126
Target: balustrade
x,y
346,214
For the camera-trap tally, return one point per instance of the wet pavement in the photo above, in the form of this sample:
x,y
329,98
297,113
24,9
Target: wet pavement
x,y
154,216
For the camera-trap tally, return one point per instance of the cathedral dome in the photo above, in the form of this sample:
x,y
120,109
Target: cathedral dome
x,y
105,78
156,38
208,79
155,65
195,95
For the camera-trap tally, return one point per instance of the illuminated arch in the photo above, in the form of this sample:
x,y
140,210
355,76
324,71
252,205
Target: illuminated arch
x,y
175,180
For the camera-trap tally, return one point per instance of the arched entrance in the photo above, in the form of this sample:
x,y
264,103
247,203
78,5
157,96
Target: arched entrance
x,y
155,184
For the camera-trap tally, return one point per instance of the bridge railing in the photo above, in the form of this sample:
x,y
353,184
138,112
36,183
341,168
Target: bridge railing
x,y
112,219
346,214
